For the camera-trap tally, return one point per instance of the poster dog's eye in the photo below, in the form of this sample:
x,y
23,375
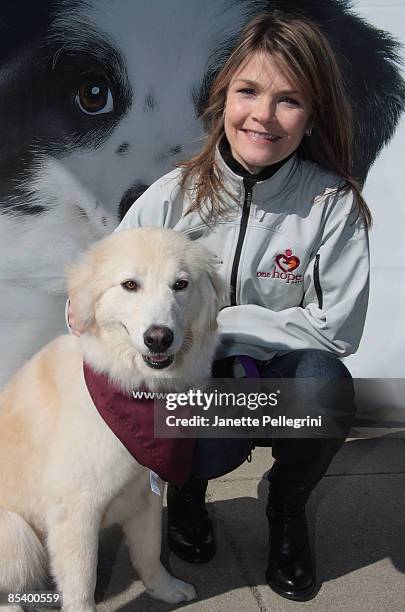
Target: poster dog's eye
x,y
180,284
94,96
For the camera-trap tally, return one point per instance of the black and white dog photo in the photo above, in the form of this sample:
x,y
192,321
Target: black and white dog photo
x,y
101,98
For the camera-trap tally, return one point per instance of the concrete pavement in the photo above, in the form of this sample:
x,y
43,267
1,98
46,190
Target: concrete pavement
x,y
357,528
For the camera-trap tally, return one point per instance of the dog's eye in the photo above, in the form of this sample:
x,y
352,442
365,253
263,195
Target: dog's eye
x,y
94,96
180,284
130,285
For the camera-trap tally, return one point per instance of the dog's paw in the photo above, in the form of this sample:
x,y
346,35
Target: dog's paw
x,y
174,591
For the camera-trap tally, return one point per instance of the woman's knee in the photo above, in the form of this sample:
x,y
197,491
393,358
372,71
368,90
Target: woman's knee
x,y
322,386
310,363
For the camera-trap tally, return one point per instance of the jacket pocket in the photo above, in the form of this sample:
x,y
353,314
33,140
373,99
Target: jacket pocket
x,y
317,282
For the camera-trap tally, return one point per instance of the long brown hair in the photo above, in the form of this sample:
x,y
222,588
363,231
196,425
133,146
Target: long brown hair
x,y
302,52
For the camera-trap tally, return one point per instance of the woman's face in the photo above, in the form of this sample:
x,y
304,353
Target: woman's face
x,y
265,116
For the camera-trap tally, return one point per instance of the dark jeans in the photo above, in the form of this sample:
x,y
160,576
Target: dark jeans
x,y
215,457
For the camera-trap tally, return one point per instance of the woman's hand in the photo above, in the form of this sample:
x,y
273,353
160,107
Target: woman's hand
x,y
71,320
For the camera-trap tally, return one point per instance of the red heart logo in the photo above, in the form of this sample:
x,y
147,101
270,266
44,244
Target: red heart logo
x,y
287,262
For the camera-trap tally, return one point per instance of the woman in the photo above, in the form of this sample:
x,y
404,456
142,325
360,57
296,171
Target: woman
x,y
272,196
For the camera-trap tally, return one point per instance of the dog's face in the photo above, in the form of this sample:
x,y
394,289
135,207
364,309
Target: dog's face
x,y
98,126
149,298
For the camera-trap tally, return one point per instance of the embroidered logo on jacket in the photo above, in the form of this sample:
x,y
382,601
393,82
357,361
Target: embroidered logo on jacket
x,y
286,262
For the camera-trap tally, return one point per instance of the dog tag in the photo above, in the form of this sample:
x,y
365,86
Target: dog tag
x,y
154,485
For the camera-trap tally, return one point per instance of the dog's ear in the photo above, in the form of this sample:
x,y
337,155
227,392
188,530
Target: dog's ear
x,y
213,293
82,292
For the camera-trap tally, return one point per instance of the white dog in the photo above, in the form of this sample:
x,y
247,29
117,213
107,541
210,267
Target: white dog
x,y
147,300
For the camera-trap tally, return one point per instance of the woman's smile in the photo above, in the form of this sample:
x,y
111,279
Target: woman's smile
x,y
262,136
265,136
265,115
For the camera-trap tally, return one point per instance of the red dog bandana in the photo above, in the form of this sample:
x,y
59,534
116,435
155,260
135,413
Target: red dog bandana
x,y
132,421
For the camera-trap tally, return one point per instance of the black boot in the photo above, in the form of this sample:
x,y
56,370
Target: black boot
x,y
290,572
190,532
299,466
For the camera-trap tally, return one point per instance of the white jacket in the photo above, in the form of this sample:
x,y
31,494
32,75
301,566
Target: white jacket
x,y
292,252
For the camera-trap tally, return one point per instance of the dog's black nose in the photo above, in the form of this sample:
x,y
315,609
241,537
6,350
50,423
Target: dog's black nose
x,y
158,338
129,197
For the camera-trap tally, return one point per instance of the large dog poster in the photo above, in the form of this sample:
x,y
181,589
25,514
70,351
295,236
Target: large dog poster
x,y
100,98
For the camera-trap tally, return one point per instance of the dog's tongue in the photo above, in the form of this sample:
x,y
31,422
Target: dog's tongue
x,y
158,358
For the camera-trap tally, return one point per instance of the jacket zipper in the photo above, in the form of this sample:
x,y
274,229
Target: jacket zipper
x,y
317,282
248,184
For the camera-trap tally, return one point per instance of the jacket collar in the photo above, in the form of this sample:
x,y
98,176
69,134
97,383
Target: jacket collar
x,y
265,173
269,182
